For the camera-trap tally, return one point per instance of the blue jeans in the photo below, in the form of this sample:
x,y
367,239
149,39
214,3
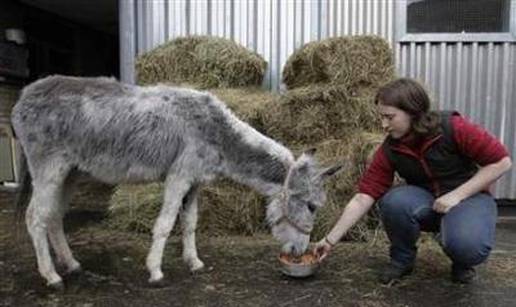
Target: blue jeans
x,y
466,231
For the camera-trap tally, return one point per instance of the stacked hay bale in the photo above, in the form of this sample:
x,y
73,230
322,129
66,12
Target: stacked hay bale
x,y
203,61
328,105
353,62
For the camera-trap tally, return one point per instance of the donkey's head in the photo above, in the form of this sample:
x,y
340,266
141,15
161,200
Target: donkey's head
x,y
292,211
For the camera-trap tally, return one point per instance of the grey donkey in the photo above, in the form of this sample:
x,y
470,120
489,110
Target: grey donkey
x,y
123,133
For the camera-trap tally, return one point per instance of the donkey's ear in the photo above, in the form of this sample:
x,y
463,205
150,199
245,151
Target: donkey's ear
x,y
330,171
310,151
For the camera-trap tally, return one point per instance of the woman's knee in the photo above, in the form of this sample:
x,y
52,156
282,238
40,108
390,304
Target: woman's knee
x,y
468,251
468,230
403,200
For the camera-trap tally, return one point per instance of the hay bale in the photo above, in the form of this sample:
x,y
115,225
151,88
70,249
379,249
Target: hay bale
x,y
310,114
352,62
205,61
229,208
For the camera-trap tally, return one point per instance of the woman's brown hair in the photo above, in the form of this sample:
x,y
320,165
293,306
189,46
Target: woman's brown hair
x,y
411,97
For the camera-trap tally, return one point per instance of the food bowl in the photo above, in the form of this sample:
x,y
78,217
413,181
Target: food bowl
x,y
300,266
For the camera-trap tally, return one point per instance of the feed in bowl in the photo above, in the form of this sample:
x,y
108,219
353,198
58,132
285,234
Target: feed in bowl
x,y
298,266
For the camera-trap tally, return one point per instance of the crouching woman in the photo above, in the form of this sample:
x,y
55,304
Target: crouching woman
x,y
448,164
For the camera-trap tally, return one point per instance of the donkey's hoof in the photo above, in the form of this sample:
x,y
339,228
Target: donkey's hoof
x,y
196,265
57,286
74,272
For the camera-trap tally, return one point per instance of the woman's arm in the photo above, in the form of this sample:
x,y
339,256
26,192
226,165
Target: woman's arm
x,y
482,179
356,208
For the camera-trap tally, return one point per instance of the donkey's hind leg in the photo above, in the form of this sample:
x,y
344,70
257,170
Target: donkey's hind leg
x,y
189,224
175,190
44,204
56,232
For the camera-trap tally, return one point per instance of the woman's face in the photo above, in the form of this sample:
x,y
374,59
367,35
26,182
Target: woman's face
x,y
395,122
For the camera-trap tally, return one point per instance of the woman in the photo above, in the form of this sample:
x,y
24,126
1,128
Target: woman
x,y
448,164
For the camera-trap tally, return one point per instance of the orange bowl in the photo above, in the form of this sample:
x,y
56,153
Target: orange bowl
x,y
301,266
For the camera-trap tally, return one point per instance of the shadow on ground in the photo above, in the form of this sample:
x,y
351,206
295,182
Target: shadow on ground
x,y
240,271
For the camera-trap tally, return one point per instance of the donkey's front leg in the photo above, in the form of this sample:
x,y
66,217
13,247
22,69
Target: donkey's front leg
x,y
175,190
189,223
56,232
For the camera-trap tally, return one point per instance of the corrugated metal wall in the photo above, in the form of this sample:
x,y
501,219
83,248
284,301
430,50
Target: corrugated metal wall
x,y
273,28
475,78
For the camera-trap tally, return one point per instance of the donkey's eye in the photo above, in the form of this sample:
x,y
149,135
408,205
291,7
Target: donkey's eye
x,y
311,207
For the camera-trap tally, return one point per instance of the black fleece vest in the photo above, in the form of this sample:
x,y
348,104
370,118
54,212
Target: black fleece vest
x,y
439,168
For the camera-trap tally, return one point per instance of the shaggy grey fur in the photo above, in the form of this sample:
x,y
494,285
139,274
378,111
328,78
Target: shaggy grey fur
x,y
122,133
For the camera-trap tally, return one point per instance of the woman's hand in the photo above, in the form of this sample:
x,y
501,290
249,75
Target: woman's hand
x,y
444,203
322,249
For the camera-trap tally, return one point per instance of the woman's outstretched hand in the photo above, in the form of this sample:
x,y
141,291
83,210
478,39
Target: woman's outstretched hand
x,y
322,249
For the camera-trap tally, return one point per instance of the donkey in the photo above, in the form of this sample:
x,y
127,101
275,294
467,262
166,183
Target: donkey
x,y
123,133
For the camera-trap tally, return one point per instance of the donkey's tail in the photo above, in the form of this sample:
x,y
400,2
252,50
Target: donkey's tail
x,y
24,190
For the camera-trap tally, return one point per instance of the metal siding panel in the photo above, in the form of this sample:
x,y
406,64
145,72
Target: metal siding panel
x,y
390,21
313,12
285,42
505,88
266,39
201,15
459,77
345,18
369,17
217,18
376,10
360,17
288,17
337,16
275,43
490,94
297,20
127,42
177,13
158,22
412,49
426,78
449,103
440,74
354,13
473,81
229,30
384,19
511,121
433,69
140,20
149,29
238,23
419,60
479,98
403,59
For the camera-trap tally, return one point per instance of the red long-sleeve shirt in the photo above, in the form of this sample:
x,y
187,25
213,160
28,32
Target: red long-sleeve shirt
x,y
472,141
